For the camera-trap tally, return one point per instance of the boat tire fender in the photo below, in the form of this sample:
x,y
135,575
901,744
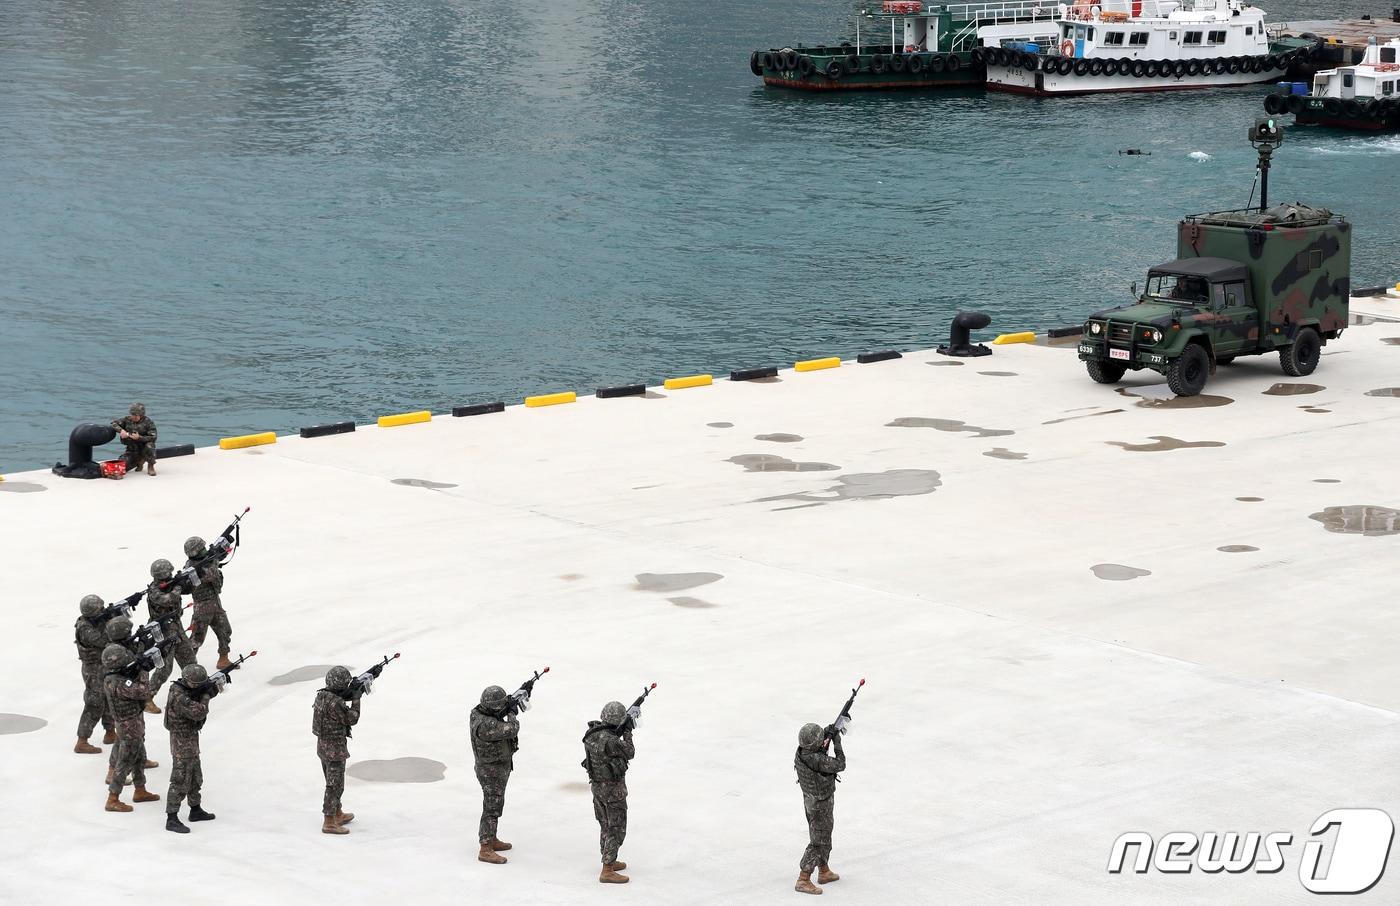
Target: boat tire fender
x,y
853,62
878,63
915,63
952,62
1081,66
1294,103
898,62
1352,107
756,63
805,66
1139,68
1030,62
834,70
937,63
1110,67
1272,103
1096,67
1332,106
1179,68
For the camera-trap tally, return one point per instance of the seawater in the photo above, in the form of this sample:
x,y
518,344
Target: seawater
x,y
262,215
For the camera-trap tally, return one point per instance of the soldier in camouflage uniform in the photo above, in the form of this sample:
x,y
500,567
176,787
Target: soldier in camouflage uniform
x,y
185,712
816,774
118,632
607,750
125,696
332,716
164,606
495,740
208,608
138,433
90,640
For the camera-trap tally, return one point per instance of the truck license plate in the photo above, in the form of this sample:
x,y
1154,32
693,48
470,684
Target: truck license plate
x,y
1118,354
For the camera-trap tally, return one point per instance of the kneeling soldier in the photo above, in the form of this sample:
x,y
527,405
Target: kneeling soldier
x,y
186,710
607,749
125,698
332,716
495,740
816,774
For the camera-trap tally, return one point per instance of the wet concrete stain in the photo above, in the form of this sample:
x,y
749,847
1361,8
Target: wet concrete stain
x,y
1117,572
1284,388
779,438
577,786
674,581
945,364
1160,396
1360,520
947,424
305,674
1327,481
21,487
421,483
691,602
1250,499
20,723
765,380
1070,418
1384,391
398,770
1003,453
1391,341
766,462
1236,548
1315,410
870,486
1164,443
571,577
719,424
999,373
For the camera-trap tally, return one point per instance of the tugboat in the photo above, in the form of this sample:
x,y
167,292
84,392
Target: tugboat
x,y
908,45
1146,45
1365,96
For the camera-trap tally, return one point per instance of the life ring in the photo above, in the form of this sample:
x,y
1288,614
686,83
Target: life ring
x,y
1294,103
834,70
805,66
915,64
937,63
1272,103
1067,48
878,63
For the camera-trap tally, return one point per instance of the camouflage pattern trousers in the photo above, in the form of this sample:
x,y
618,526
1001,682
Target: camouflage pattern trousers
x,y
334,771
206,617
186,774
610,808
493,779
138,453
820,822
182,653
94,704
128,759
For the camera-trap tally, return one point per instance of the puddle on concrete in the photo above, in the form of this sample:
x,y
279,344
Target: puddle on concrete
x,y
421,483
945,364
1391,341
947,424
1249,499
306,674
674,581
1360,520
779,438
1003,453
1384,391
571,577
1315,410
21,487
1236,548
1070,418
1164,443
719,424
575,786
1116,572
766,462
1286,389
398,770
999,373
869,486
1160,396
691,602
20,723
1327,481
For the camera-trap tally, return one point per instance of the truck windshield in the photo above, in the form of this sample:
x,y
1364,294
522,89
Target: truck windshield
x,y
1178,289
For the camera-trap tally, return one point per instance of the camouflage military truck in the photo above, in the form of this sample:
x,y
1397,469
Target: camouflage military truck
x,y
1244,283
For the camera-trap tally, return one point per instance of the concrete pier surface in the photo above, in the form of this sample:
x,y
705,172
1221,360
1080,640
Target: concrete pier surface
x,y
1081,611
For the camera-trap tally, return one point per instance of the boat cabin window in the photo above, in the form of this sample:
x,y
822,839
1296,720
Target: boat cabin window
x,y
1387,54
1066,29
1388,88
1191,290
1249,29
1171,36
1091,32
1113,39
1191,37
1217,37
1348,80
1138,39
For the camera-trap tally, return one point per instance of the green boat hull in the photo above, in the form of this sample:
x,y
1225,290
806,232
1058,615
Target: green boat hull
x,y
837,69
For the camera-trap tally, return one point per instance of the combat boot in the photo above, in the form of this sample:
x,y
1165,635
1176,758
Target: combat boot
x,y
499,846
144,795
137,467
223,662
615,866
151,470
116,805
109,737
487,854
804,883
150,764
83,747
328,826
608,876
825,875
172,823
152,707
343,817
199,814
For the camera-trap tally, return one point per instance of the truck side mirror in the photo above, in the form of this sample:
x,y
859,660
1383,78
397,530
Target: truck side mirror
x,y
1135,292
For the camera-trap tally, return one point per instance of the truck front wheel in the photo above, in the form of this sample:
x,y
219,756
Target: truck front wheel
x,y
1105,372
1187,373
1301,358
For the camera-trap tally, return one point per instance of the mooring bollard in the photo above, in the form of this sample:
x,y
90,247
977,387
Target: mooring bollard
x,y
960,336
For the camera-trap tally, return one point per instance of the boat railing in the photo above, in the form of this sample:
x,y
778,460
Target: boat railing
x,y
977,15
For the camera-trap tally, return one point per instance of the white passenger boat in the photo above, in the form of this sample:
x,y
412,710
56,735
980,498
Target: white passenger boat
x,y
1145,45
1365,96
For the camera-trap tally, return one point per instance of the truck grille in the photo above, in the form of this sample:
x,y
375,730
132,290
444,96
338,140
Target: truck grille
x,y
1120,333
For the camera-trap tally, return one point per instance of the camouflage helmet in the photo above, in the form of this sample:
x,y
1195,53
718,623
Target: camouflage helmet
x,y
613,713
338,679
115,656
138,410
118,629
195,547
493,696
90,605
162,570
809,735
194,675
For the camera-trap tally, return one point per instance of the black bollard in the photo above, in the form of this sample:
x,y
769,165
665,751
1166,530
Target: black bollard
x,y
84,438
960,336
